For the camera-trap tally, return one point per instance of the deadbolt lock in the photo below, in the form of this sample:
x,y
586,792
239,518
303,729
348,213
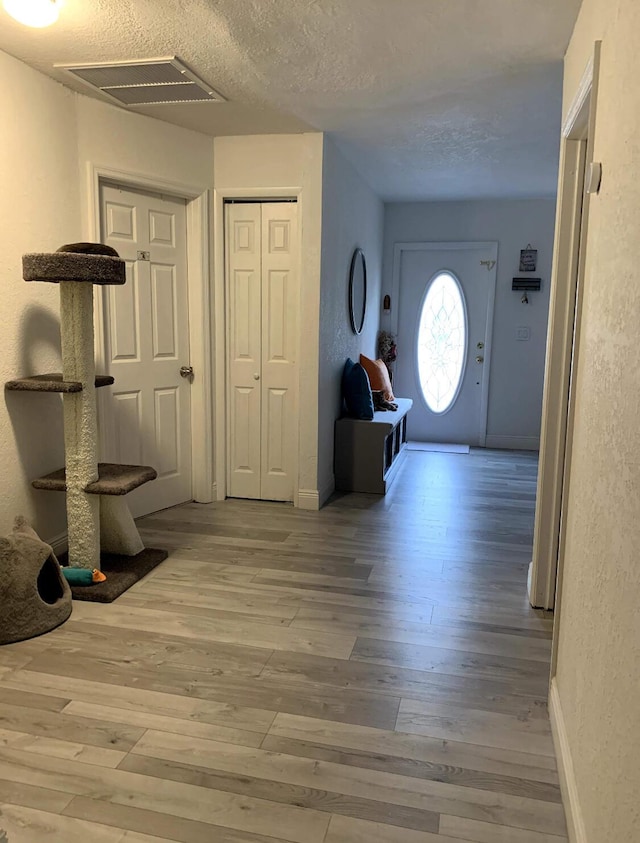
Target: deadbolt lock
x,y
480,346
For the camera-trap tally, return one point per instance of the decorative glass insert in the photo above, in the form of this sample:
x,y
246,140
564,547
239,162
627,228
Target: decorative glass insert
x,y
442,342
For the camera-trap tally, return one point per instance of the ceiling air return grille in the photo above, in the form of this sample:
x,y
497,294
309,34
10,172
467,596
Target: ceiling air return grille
x,y
148,82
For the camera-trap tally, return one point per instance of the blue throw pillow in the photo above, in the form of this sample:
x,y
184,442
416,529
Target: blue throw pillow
x,y
357,391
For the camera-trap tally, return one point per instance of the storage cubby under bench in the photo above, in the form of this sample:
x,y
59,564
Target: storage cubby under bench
x,y
368,454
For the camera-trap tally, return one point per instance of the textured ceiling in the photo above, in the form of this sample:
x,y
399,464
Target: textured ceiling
x,y
430,99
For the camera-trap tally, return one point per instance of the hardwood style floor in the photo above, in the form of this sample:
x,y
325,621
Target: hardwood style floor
x,y
369,673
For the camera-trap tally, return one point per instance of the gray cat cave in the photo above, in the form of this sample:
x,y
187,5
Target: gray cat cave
x,y
34,596
102,533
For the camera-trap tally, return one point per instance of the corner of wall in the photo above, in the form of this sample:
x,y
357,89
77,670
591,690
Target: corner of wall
x,y
312,500
566,773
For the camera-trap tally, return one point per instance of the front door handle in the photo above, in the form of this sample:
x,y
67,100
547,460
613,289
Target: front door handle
x,y
479,359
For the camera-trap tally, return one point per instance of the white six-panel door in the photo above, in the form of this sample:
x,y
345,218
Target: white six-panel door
x,y
262,289
147,418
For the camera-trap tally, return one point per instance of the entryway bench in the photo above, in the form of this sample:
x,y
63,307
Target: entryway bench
x,y
368,454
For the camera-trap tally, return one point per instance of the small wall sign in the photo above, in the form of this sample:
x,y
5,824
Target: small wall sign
x,y
528,259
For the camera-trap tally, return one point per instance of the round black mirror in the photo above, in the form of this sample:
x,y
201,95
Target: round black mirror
x,y
357,291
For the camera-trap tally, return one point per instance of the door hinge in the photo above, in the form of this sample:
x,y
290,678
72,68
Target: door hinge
x,y
144,256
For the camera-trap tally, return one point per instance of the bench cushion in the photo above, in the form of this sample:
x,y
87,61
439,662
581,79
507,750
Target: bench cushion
x,y
357,391
378,376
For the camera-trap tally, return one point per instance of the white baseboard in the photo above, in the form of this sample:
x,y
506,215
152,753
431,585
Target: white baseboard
x,y
59,543
568,786
513,443
308,499
213,496
313,499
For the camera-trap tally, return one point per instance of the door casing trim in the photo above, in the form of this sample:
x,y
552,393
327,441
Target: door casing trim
x,y
198,201
563,340
492,254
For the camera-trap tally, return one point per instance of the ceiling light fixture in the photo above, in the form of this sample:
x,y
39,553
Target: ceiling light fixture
x,y
36,13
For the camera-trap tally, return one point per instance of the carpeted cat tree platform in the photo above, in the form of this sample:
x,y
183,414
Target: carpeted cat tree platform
x,y
102,533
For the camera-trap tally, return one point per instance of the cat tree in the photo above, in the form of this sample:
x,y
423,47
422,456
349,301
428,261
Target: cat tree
x,y
101,531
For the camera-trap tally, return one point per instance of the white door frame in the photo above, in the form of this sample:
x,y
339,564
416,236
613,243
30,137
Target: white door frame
x,y
197,198
221,320
563,337
492,254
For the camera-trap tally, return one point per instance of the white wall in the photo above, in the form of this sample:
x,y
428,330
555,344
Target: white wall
x,y
598,668
46,201
39,210
352,216
517,368
112,138
253,166
46,145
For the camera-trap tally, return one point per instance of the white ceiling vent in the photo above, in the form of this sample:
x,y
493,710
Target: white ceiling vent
x,y
148,82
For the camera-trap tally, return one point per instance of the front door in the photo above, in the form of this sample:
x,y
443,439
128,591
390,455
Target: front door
x,y
262,291
444,339
147,419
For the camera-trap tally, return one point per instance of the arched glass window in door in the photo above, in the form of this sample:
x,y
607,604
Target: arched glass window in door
x,y
442,342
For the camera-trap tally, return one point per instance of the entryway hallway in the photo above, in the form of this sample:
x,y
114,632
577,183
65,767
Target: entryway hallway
x,y
370,672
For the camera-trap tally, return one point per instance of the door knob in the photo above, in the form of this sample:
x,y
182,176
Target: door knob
x,y
479,359
256,376
186,371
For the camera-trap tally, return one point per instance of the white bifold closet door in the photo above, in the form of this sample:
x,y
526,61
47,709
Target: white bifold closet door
x,y
262,296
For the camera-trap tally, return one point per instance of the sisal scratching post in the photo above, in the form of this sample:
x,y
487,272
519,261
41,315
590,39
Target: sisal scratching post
x,y
76,268
80,426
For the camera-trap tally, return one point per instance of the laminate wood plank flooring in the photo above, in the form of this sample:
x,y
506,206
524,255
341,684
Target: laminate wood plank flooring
x,y
445,759
423,634
370,672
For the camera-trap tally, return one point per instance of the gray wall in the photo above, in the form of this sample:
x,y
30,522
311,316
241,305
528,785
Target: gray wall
x,y
517,368
352,215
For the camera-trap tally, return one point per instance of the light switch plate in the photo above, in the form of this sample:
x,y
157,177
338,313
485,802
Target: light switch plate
x,y
523,333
